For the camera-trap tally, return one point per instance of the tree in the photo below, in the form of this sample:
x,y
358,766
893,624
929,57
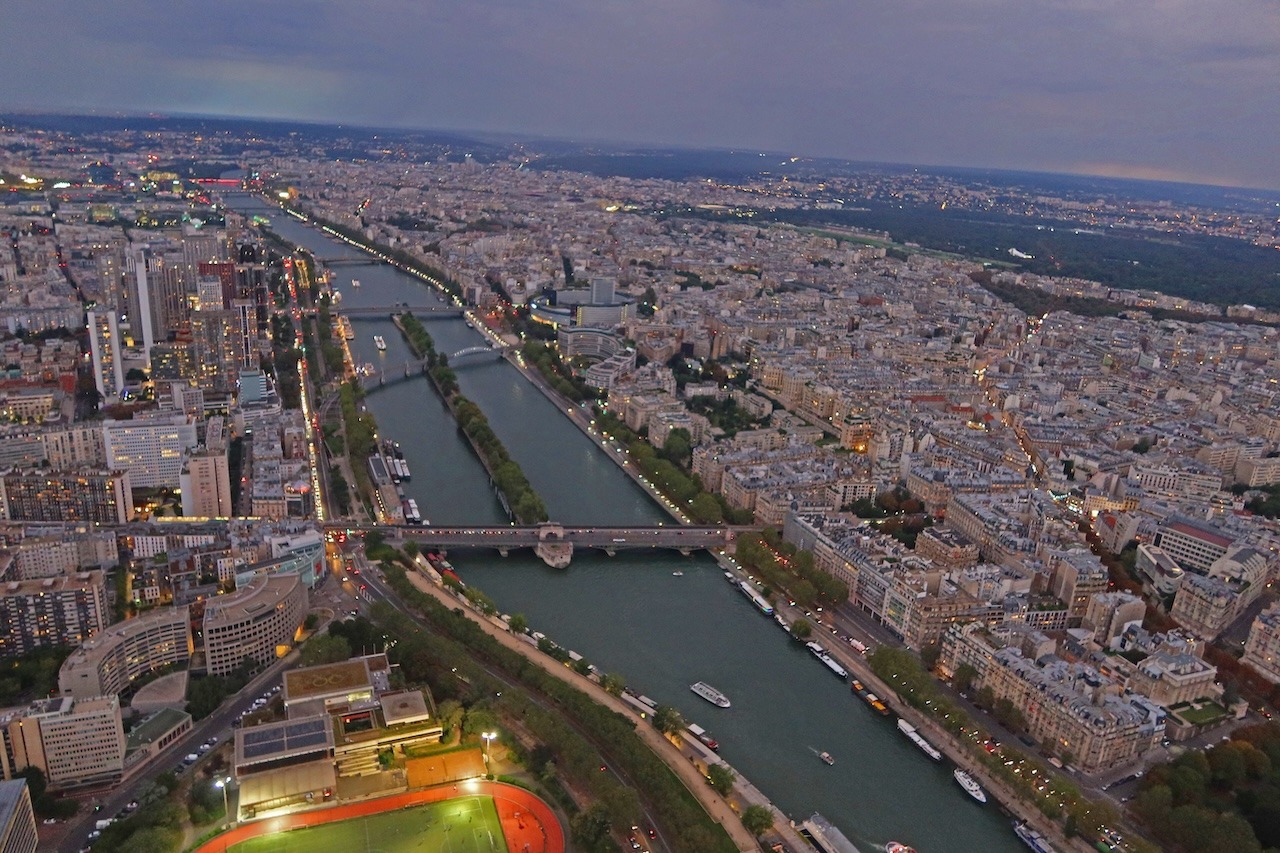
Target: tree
x,y
706,509
721,779
667,720
325,648
963,678
612,684
519,624
590,828
757,819
801,629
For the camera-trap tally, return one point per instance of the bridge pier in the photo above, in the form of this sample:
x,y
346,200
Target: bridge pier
x,y
685,551
612,552
504,551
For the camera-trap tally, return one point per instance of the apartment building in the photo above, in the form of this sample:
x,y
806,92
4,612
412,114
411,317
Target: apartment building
x,y
17,819
1262,649
97,497
1205,605
107,664
259,622
75,742
1085,717
51,612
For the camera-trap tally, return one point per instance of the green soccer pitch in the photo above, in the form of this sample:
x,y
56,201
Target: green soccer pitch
x,y
462,825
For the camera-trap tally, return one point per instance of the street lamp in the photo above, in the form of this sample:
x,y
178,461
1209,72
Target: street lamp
x,y
222,784
487,736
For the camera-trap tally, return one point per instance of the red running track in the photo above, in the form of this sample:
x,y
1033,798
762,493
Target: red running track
x,y
528,824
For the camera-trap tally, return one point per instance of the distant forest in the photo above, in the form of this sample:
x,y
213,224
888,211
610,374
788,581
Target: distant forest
x,y
1218,270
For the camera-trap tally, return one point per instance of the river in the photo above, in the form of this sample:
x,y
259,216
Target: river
x,y
629,614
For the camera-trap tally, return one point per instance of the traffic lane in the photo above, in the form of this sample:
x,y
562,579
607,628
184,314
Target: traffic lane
x,y
219,722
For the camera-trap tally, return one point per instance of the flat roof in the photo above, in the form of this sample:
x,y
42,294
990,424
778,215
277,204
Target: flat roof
x,y
10,797
281,739
156,726
408,706
326,679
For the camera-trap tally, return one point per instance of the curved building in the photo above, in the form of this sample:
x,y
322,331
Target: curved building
x,y
108,663
259,622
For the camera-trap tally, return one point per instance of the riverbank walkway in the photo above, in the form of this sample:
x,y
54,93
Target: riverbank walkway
x,y
712,802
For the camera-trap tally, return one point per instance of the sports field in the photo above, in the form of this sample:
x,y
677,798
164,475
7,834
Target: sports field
x,y
459,825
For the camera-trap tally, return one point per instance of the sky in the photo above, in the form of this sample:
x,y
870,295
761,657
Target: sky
x,y
1163,89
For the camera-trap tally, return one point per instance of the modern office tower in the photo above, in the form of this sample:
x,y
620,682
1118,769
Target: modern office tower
x,y
602,290
150,447
111,277
225,272
138,297
75,446
100,497
74,742
104,348
208,296
252,285
170,300
260,621
206,481
200,246
17,819
218,339
108,663
247,321
171,361
61,611
253,387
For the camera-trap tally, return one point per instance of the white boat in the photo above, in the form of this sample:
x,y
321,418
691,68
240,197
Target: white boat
x,y
701,734
380,342
971,787
355,282
832,665
677,574
914,736
706,691
826,757
1032,839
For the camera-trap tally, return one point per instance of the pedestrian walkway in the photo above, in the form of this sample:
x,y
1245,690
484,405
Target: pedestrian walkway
x,y
663,748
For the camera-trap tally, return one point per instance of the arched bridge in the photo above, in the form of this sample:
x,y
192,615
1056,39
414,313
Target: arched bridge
x,y
412,369
555,543
473,352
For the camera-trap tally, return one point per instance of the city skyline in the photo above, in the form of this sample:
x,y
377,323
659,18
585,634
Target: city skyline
x,y
1166,91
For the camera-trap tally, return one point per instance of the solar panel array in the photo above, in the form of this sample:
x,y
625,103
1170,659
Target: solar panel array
x,y
273,740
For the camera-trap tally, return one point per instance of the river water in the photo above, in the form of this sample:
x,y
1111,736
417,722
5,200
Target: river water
x,y
629,614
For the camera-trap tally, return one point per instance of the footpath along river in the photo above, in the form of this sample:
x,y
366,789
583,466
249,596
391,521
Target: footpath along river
x,y
629,614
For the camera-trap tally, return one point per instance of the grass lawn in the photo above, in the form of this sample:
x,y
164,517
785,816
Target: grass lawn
x,y
462,825
1199,716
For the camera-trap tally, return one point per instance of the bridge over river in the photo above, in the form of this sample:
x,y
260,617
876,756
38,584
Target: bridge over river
x,y
422,312
411,369
555,543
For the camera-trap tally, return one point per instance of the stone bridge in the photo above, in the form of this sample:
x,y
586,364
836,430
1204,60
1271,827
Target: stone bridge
x,y
555,543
